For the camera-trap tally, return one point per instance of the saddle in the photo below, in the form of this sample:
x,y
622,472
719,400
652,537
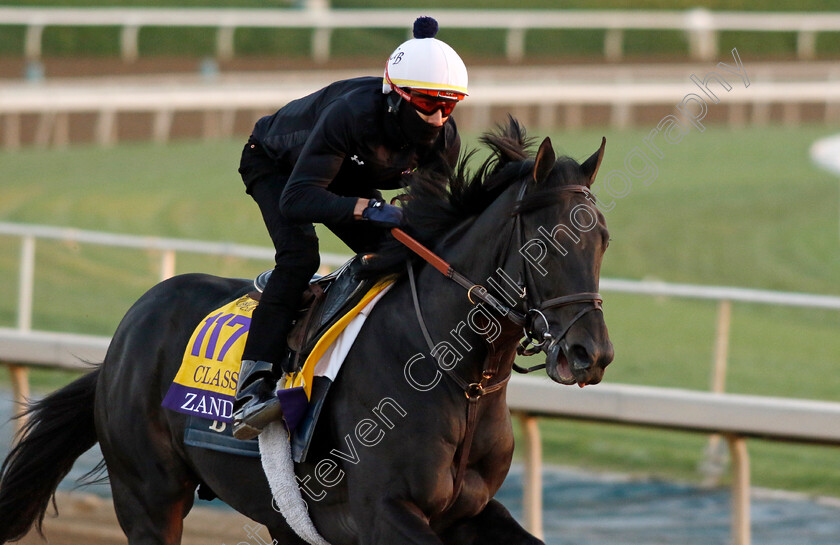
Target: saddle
x,y
324,302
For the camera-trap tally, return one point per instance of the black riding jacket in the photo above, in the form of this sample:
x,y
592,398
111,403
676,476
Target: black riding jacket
x,y
342,143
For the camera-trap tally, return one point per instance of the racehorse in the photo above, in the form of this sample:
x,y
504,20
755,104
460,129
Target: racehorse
x,y
415,437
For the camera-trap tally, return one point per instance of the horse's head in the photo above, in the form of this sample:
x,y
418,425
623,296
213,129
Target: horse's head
x,y
562,237
546,240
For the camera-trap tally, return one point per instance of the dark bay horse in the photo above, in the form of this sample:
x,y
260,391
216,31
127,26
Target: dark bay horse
x,y
408,450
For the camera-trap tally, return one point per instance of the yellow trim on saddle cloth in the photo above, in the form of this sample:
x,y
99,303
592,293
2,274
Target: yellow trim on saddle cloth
x,y
214,354
304,376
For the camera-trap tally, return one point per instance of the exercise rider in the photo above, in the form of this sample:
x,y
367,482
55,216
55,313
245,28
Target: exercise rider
x,y
322,159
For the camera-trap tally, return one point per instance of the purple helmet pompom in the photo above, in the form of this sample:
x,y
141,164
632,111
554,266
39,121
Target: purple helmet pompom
x,y
425,27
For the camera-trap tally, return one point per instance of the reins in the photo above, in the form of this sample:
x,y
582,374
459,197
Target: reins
x,y
475,390
473,289
530,344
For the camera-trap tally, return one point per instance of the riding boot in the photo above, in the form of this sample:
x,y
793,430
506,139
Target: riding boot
x,y
255,404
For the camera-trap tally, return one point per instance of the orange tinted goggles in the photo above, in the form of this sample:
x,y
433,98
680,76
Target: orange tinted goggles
x,y
427,103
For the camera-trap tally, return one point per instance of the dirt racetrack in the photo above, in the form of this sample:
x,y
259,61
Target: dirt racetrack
x,y
90,520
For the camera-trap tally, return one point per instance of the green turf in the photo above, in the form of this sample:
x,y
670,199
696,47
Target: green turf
x,y
474,45
728,207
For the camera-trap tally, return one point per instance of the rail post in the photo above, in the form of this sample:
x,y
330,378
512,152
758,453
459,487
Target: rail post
x,y
740,490
224,42
532,479
162,126
20,391
167,265
702,37
806,44
515,44
11,131
32,46
129,48
321,44
106,128
26,282
614,44
715,457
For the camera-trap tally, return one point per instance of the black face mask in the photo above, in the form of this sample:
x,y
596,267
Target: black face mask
x,y
416,130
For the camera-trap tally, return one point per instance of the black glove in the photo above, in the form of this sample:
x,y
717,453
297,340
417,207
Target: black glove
x,y
382,214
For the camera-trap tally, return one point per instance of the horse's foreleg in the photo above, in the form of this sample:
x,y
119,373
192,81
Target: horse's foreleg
x,y
493,525
397,521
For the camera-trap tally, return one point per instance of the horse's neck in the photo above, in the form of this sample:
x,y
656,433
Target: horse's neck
x,y
474,332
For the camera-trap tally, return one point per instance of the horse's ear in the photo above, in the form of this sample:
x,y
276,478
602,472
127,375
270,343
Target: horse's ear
x,y
545,161
590,166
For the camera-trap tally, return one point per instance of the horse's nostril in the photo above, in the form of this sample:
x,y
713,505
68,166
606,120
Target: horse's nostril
x,y
580,358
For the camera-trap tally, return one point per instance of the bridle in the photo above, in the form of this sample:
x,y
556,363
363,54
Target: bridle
x,y
531,343
489,383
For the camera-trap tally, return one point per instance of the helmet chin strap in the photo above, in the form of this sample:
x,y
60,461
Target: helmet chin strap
x,y
393,101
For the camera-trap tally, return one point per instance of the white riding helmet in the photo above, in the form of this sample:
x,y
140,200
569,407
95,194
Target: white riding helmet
x,y
426,63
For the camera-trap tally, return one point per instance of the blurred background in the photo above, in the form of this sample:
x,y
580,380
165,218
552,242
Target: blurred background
x,y
121,124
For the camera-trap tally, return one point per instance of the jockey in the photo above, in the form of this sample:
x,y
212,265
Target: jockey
x,y
322,159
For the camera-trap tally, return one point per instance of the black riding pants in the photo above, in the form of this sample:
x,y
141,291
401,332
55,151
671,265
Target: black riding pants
x,y
296,256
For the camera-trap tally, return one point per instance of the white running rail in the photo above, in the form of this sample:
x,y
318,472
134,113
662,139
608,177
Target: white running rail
x,y
701,26
733,417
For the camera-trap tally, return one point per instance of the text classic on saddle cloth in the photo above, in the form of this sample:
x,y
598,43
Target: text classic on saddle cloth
x,y
206,381
405,116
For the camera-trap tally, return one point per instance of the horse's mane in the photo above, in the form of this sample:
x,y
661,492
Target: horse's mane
x,y
437,204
